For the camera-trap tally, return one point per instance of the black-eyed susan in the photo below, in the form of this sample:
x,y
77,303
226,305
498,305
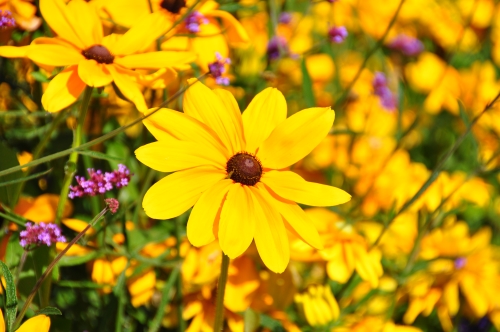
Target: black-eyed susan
x,y
230,166
93,59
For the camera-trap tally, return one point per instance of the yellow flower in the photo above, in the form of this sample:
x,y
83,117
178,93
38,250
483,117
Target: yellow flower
x,y
345,250
229,166
91,58
39,323
317,305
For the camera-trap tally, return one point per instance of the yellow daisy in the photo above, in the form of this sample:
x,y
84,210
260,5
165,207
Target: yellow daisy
x,y
90,57
230,166
39,323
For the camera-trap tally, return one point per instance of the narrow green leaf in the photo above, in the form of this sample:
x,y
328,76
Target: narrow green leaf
x,y
100,155
49,311
38,76
252,320
165,299
307,88
8,160
34,176
10,294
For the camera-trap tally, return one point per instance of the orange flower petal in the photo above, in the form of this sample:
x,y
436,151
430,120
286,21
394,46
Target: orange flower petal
x,y
63,90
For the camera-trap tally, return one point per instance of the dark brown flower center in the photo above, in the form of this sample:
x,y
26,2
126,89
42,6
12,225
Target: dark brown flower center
x,y
173,6
244,168
99,53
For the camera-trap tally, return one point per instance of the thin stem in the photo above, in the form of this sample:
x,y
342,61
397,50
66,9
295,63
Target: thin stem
x,y
53,264
21,265
101,139
221,289
160,313
178,295
370,53
70,168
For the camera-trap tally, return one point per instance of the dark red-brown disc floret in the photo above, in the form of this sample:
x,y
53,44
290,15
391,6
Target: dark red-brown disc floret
x,y
173,6
99,53
244,168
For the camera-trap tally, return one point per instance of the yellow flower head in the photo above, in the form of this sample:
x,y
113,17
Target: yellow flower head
x,y
39,323
91,58
230,167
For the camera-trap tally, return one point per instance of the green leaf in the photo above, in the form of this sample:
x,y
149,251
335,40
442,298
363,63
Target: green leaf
x,y
252,320
8,160
40,77
11,298
77,260
100,155
307,88
34,176
49,311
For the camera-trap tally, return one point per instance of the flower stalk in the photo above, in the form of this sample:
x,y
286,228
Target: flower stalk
x,y
221,289
51,266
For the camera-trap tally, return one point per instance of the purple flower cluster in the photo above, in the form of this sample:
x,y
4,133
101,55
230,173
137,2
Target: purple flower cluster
x,y
42,233
6,20
407,45
112,204
276,46
337,34
217,69
100,182
388,99
194,20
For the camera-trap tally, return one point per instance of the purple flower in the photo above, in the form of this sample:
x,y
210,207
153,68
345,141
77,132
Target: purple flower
x,y
194,20
217,69
285,18
6,20
112,204
42,233
277,46
460,262
99,183
407,45
337,34
388,99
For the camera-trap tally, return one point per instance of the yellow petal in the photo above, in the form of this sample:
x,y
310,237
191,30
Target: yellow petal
x,y
296,137
176,193
155,60
236,34
365,267
212,41
205,212
204,105
39,323
142,34
128,88
293,187
263,114
2,322
62,21
13,51
63,90
451,298
237,221
54,55
231,104
174,155
87,20
94,74
337,270
167,124
77,225
270,234
295,216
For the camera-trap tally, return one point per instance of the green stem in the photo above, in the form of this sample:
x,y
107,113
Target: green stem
x,y
221,289
53,264
160,313
70,168
97,140
178,294
20,267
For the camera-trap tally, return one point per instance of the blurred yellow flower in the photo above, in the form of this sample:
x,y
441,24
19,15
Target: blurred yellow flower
x,y
92,59
39,323
229,165
317,305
